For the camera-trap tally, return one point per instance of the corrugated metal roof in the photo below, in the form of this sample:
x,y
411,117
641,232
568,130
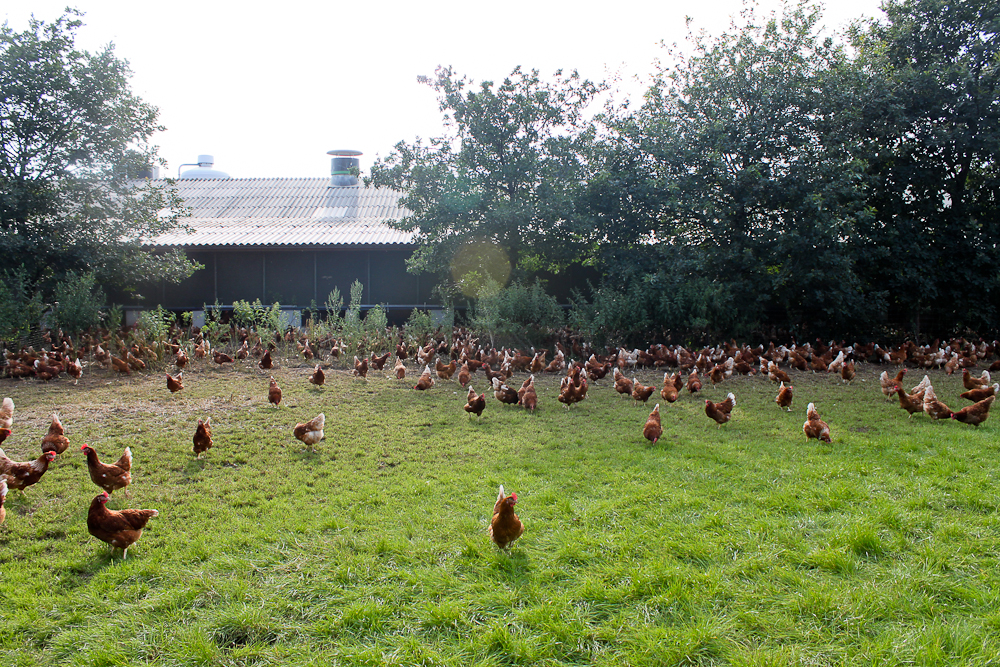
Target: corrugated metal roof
x,y
285,212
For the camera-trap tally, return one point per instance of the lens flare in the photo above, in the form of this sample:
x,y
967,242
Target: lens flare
x,y
477,261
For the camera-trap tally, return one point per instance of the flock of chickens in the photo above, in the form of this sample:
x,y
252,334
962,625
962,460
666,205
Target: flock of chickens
x,y
121,529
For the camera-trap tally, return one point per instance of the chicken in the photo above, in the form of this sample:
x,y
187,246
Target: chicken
x,y
312,431
175,384
694,382
399,368
505,526
425,381
775,374
22,475
970,382
119,529
847,372
464,374
180,359
652,429
202,439
503,393
911,403
109,477
75,370
445,371
54,440
976,413
4,434
669,392
976,395
622,384
887,383
475,404
784,397
921,386
814,427
934,408
120,365
7,413
3,497
274,393
265,362
529,399
721,412
378,363
641,393
361,367
318,377
221,358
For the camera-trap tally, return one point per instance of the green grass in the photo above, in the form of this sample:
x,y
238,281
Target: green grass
x,y
745,545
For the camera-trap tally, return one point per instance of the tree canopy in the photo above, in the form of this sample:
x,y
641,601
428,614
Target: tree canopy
x,y
73,135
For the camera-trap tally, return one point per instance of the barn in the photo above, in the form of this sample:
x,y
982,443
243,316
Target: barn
x,y
290,241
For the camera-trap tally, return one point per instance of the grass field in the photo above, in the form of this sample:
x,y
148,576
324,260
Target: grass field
x,y
744,545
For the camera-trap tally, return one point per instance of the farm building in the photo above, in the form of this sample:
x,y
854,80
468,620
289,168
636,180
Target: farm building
x,y
288,240
293,240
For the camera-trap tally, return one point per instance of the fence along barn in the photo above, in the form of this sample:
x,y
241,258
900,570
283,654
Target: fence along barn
x,y
289,240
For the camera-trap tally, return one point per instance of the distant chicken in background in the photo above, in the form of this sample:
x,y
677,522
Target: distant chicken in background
x,y
505,526
721,412
118,529
175,384
222,358
318,377
814,427
361,367
202,439
311,432
694,382
784,397
55,440
109,477
669,391
75,370
847,372
274,393
652,430
378,363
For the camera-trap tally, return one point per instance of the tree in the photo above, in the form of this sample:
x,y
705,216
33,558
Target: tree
x,y
927,123
731,162
72,136
506,174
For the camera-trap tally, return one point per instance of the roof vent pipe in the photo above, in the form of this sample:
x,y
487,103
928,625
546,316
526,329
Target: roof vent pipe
x,y
344,167
204,170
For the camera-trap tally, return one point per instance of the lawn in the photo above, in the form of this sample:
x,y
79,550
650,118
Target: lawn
x,y
740,545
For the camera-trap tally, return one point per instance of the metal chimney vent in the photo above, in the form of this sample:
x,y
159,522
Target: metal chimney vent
x,y
344,167
204,170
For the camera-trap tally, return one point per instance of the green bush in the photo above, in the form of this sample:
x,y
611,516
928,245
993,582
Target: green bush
x,y
79,302
516,315
21,306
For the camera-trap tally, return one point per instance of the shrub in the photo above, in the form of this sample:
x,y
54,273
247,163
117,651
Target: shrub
x,y
79,302
517,314
21,306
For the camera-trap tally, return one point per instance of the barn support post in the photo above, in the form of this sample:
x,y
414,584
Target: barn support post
x,y
263,277
215,277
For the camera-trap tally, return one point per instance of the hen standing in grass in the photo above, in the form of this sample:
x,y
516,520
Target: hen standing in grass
x,y
202,439
318,377
22,475
976,413
119,529
311,432
7,414
109,477
721,412
274,393
475,404
784,397
175,384
505,526
814,427
652,429
425,381
54,440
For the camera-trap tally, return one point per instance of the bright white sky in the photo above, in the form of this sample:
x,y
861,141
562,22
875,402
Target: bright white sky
x,y
269,88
